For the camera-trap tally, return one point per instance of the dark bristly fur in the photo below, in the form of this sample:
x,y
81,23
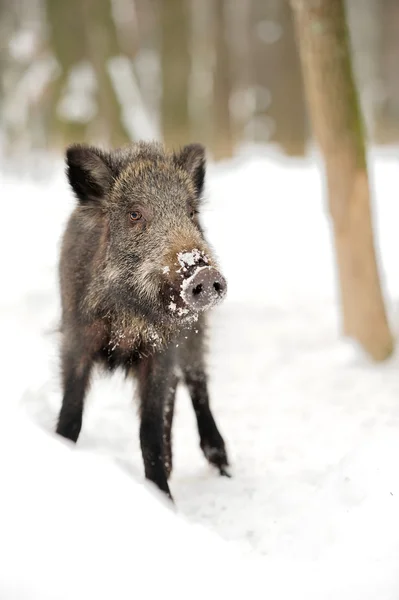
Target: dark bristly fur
x,y
121,278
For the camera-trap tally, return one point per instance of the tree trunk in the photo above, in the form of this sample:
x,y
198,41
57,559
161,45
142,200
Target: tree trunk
x,y
84,30
241,67
64,18
201,89
222,146
102,45
175,72
338,128
282,119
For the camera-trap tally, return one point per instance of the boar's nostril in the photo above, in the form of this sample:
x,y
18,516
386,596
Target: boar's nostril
x,y
217,287
197,289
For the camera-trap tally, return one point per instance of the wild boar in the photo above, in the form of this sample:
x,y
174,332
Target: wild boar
x,y
136,279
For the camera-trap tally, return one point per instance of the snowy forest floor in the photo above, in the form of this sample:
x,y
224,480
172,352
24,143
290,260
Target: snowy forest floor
x,y
311,425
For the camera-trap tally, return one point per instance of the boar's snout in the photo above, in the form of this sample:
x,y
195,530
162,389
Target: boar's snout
x,y
204,289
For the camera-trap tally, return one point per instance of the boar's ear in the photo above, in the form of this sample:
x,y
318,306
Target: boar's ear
x,y
192,159
89,175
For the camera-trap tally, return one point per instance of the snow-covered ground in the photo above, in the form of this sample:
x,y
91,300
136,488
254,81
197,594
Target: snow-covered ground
x,y
311,425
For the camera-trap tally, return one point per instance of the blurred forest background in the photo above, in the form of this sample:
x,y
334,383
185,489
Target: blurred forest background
x,y
222,72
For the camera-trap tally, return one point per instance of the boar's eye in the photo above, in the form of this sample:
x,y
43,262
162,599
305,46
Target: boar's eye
x,y
193,213
135,216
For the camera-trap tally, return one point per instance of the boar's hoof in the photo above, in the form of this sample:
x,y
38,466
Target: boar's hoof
x,y
218,458
204,289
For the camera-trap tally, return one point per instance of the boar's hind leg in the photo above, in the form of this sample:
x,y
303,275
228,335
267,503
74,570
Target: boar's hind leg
x,y
155,379
192,363
76,375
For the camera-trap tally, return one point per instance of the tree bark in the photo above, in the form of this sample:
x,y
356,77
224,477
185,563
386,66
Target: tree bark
x,y
338,128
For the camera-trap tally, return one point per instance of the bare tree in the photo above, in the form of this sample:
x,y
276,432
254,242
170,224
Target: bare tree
x,y
64,18
277,76
84,30
175,54
201,89
102,46
242,106
338,128
222,145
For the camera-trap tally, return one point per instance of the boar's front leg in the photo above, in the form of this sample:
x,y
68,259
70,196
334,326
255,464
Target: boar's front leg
x,y
156,377
192,364
169,409
76,370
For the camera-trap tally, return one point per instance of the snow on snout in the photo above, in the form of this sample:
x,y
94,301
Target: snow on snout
x,y
189,259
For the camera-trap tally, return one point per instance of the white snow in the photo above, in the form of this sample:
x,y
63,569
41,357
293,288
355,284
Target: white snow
x,y
311,425
75,527
190,258
187,258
